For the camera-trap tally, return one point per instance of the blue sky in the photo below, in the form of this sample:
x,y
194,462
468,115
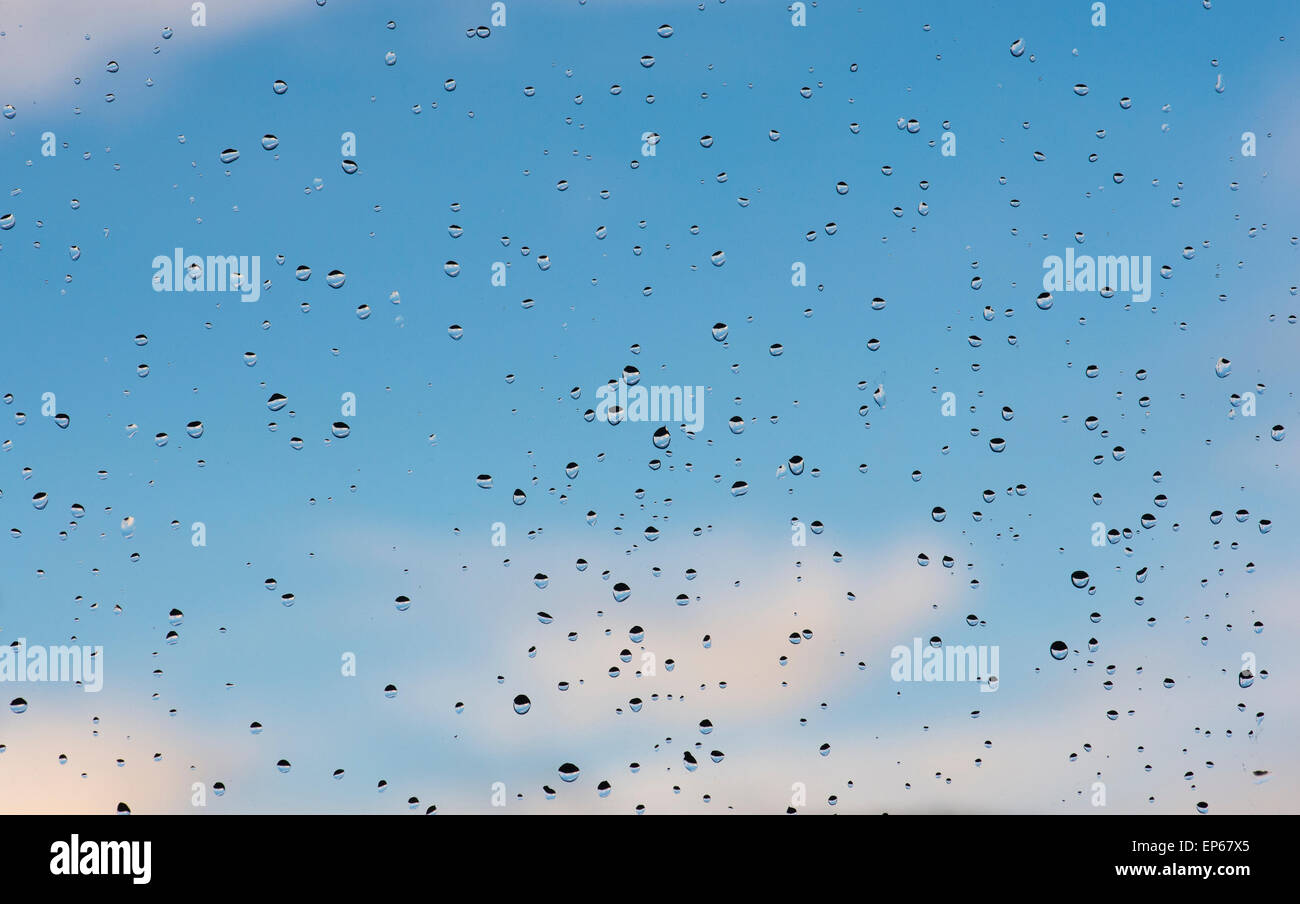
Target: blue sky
x,y
348,524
